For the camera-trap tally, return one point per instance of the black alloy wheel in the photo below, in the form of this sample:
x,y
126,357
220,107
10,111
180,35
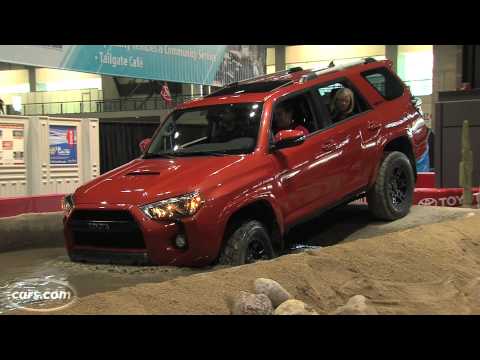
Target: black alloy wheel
x,y
256,251
398,188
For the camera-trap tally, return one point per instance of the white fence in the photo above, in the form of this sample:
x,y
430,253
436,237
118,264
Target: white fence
x,y
47,155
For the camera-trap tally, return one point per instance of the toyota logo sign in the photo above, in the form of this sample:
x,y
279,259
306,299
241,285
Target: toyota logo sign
x,y
99,226
428,202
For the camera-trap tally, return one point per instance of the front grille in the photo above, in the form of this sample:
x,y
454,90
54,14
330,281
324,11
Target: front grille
x,y
105,229
102,215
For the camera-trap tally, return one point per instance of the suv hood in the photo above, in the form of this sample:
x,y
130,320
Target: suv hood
x,y
144,181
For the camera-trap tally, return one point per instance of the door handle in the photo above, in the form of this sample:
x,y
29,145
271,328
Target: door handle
x,y
329,145
374,126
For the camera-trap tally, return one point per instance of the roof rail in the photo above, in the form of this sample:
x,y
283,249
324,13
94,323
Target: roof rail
x,y
265,76
295,69
332,67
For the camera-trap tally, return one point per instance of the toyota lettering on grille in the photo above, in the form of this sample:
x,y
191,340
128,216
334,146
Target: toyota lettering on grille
x,y
98,226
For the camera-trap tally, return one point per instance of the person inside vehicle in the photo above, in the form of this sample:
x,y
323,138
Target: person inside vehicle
x,y
342,105
283,119
226,127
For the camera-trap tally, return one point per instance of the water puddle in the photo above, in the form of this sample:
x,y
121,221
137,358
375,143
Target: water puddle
x,y
299,248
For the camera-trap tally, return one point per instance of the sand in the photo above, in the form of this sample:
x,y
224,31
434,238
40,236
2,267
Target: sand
x,y
430,269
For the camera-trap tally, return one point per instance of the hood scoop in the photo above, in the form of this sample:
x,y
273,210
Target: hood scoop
x,y
142,173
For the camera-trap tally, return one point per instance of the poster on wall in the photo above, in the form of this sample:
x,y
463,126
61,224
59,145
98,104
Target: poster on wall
x,y
215,65
62,141
12,144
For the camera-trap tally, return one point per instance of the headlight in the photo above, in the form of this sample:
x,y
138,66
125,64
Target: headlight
x,y
174,208
67,203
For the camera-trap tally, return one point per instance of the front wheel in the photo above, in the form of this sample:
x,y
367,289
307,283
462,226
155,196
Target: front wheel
x,y
392,195
249,243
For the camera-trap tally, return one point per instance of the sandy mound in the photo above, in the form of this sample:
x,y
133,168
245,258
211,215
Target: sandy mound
x,y
431,269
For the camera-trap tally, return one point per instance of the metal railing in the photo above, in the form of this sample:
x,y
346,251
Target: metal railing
x,y
98,106
418,87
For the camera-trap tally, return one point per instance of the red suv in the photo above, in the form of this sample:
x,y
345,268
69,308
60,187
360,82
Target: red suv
x,y
225,177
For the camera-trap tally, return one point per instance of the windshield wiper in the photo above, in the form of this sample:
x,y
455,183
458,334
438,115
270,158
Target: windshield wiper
x,y
199,153
171,155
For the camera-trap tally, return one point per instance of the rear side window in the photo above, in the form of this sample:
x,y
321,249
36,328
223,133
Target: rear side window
x,y
385,83
328,96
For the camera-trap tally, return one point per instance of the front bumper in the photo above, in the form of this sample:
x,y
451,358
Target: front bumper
x,y
96,234
109,257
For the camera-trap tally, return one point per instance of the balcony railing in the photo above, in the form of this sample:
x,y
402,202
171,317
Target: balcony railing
x,y
98,106
418,87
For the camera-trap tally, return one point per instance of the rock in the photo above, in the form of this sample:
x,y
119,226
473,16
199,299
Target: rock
x,y
275,292
294,307
251,304
356,305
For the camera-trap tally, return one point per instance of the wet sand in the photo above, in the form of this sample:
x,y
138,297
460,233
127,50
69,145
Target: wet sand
x,y
430,269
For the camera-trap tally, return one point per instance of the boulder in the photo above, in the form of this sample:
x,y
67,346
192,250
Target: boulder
x,y
275,292
294,307
356,305
251,304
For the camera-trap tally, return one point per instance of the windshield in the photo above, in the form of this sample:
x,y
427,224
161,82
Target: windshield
x,y
212,130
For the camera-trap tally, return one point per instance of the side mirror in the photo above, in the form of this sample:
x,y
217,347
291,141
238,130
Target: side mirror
x,y
288,138
144,144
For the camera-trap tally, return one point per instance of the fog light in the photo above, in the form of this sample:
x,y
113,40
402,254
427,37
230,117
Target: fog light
x,y
181,241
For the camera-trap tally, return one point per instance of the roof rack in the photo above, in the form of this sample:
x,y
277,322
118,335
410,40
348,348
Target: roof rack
x,y
260,78
332,67
268,76
312,74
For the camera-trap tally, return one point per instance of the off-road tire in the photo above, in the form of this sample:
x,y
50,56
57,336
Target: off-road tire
x,y
382,203
249,234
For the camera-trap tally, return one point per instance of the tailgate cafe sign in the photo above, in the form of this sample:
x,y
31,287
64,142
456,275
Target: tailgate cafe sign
x,y
197,64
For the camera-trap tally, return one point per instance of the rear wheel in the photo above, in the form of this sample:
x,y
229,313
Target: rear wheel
x,y
249,243
392,195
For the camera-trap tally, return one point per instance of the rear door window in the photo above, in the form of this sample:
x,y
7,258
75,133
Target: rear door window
x,y
329,98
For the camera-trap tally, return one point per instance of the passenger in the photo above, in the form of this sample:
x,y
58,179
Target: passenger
x,y
283,119
342,105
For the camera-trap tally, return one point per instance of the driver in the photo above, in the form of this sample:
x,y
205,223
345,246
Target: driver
x,y
227,129
283,119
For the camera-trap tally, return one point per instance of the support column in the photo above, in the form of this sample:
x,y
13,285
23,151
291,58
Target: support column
x,y
280,58
32,79
109,88
391,53
447,71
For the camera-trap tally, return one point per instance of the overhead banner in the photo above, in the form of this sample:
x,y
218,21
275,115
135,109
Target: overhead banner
x,y
198,64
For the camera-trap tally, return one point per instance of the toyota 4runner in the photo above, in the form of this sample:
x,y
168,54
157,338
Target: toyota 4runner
x,y
225,177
